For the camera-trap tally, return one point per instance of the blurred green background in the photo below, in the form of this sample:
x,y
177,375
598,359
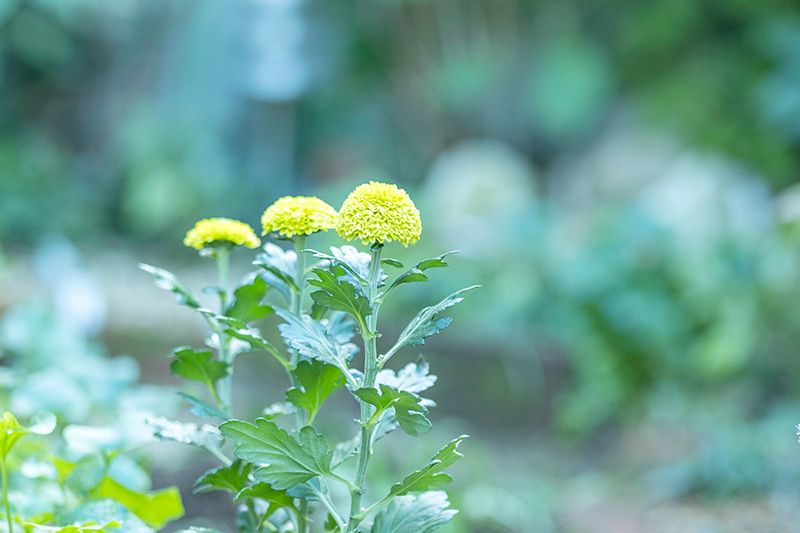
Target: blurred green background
x,y
620,176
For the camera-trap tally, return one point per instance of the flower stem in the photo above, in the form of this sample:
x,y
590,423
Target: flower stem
x,y
370,372
223,255
6,503
297,310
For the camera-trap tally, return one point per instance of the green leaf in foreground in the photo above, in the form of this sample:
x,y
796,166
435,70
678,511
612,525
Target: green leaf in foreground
x,y
247,303
407,406
274,497
414,513
316,381
199,366
340,295
288,461
432,475
10,432
155,509
232,478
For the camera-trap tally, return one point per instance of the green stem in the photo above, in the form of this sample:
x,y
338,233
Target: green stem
x,y
297,310
223,255
6,503
369,337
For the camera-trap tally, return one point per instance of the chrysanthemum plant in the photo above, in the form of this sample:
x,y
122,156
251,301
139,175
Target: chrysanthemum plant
x,y
282,471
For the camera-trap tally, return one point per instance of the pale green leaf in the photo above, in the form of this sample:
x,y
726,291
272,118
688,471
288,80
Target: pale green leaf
x,y
155,509
202,409
417,273
10,433
288,461
414,513
164,279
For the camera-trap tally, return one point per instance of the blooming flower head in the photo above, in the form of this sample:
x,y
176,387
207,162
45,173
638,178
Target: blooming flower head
x,y
298,215
377,213
208,231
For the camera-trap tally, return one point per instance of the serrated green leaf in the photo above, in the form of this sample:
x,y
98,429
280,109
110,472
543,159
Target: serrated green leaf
x,y
252,337
232,478
164,279
263,491
340,295
199,366
417,272
414,513
408,409
247,303
432,475
10,433
427,322
155,509
288,461
312,340
316,381
202,409
414,377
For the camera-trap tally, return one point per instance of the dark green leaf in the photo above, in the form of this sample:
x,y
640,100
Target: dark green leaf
x,y
166,280
288,461
247,303
231,478
414,513
431,475
340,295
275,498
198,366
407,406
316,381
416,273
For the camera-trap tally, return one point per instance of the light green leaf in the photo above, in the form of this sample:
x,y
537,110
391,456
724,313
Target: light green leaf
x,y
102,512
340,295
155,509
10,433
233,478
202,409
414,513
82,527
431,475
414,377
316,381
407,406
417,273
311,339
247,303
427,322
198,366
252,337
279,267
275,498
391,262
288,461
168,281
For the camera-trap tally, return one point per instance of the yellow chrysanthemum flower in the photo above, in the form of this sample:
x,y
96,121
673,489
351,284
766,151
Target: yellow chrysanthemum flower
x,y
221,230
298,215
379,213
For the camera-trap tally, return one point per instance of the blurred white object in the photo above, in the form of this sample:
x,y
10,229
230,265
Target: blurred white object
x,y
275,65
481,191
77,297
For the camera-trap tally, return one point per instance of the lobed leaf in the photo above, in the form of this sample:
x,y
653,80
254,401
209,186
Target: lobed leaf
x,y
316,381
414,513
232,478
407,406
279,267
340,295
417,273
288,461
263,491
247,301
202,409
198,366
431,475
